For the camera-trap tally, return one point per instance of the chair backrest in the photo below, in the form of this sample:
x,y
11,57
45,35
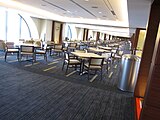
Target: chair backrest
x,y
2,45
38,43
50,43
73,44
96,61
10,45
66,56
58,46
28,49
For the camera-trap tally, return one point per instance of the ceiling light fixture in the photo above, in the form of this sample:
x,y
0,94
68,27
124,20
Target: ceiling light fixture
x,y
54,5
109,6
94,7
43,5
113,12
82,7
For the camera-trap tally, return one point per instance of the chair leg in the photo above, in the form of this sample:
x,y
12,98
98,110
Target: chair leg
x,y
107,67
50,51
46,57
5,56
75,67
101,73
18,56
80,69
88,74
34,58
67,68
63,66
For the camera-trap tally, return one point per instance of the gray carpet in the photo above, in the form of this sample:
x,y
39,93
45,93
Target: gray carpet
x,y
28,93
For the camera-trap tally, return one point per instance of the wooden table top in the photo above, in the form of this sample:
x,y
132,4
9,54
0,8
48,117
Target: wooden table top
x,y
86,55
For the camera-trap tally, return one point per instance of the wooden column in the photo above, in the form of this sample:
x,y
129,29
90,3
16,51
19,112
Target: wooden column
x,y
84,34
110,37
151,105
61,33
87,34
132,41
52,36
105,36
148,49
98,34
136,38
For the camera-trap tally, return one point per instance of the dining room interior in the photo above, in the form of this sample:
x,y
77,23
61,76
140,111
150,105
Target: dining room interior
x,y
79,59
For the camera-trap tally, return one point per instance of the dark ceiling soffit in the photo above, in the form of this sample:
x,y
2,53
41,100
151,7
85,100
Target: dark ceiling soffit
x,y
82,8
54,5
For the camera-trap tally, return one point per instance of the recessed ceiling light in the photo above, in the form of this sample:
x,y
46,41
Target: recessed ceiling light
x,y
43,5
94,7
68,11
99,12
86,0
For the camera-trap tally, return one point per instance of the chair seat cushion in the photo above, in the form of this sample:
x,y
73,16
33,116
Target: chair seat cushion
x,y
40,52
92,66
73,61
12,50
26,53
57,50
118,57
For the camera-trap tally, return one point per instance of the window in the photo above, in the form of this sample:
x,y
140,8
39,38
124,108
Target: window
x,y
15,26
3,24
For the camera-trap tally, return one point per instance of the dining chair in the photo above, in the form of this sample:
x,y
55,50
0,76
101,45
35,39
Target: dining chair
x,y
94,64
49,46
72,46
107,60
58,48
70,61
117,55
10,48
41,51
27,51
2,45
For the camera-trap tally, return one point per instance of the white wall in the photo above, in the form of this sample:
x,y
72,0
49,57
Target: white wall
x,y
80,35
38,24
48,30
94,35
44,28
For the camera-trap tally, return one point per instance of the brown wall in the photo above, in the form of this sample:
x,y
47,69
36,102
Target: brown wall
x,y
151,106
147,55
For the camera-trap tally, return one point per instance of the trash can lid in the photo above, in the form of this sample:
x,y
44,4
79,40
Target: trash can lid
x,y
131,57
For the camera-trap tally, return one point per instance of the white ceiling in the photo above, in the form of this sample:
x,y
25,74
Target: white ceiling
x,y
128,13
91,9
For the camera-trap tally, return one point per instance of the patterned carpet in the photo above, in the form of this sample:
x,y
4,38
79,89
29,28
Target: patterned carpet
x,y
42,91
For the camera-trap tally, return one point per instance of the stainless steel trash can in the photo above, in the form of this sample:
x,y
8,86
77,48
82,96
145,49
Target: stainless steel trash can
x,y
128,72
